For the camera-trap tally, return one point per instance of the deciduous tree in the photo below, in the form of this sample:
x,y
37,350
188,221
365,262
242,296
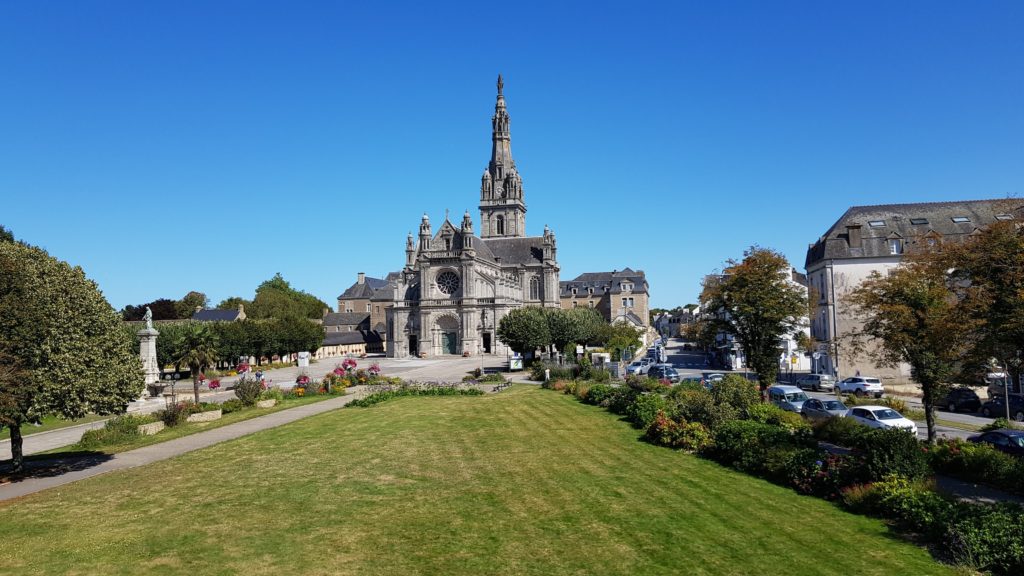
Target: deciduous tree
x,y
524,330
759,305
62,342
912,315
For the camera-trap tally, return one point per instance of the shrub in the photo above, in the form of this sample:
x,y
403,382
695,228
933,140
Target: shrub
x,y
892,451
698,406
689,436
772,414
248,390
977,462
913,504
737,392
598,394
859,498
644,408
492,378
174,414
989,538
600,376
557,372
232,405
621,399
999,424
272,393
746,445
814,471
840,431
117,430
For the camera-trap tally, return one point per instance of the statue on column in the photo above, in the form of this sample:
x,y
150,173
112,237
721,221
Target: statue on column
x,y
148,317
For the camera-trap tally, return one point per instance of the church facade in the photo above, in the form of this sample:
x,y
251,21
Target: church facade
x,y
456,286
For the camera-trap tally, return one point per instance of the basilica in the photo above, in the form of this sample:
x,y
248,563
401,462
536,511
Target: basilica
x,y
456,286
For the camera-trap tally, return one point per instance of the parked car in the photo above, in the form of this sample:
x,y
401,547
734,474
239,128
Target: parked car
x,y
789,398
663,371
881,417
861,386
1005,440
815,409
640,366
996,407
816,382
713,377
962,399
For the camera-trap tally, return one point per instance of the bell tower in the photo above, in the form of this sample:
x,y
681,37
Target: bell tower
x,y
502,210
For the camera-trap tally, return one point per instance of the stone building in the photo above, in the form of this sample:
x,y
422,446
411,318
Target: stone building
x,y
456,286
870,239
619,295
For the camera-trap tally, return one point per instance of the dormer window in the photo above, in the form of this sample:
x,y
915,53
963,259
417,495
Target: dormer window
x,y
574,291
895,246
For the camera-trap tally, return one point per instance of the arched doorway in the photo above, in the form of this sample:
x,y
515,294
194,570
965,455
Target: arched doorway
x,y
448,334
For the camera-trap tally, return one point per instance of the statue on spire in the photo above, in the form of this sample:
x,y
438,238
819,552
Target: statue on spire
x,y
500,84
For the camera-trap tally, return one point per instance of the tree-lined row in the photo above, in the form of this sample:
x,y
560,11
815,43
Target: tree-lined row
x,y
275,298
526,330
230,341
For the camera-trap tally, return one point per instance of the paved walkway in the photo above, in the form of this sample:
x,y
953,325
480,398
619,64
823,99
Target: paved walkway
x,y
74,469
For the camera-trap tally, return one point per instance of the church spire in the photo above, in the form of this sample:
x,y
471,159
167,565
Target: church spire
x,y
502,210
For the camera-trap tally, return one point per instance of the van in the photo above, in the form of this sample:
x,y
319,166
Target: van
x,y
816,382
789,398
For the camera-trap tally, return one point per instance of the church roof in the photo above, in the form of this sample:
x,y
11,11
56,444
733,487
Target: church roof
x,y
363,289
346,318
522,250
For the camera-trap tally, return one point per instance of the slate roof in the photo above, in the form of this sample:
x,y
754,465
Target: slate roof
x,y
364,290
908,222
601,280
523,250
346,318
356,337
211,315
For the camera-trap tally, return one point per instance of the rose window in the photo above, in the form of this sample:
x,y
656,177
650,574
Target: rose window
x,y
448,282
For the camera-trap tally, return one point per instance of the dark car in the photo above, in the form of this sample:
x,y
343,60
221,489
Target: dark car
x,y
1005,440
996,407
663,372
962,399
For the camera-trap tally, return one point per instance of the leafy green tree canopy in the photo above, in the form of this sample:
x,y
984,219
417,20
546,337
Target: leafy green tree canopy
x,y
276,298
524,329
6,235
758,304
61,335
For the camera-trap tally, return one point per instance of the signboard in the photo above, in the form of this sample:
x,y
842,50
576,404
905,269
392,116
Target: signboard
x,y
515,362
816,355
579,349
793,359
303,359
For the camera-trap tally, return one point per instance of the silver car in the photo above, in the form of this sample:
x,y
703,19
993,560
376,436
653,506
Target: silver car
x,y
816,382
815,409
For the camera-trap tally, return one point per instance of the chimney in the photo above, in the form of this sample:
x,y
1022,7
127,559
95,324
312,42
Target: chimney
x,y
362,277
199,308
853,235
241,308
327,311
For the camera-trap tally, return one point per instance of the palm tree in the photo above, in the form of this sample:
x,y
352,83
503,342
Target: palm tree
x,y
197,349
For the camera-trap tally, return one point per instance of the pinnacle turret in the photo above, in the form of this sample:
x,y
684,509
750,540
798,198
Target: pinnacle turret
x,y
502,210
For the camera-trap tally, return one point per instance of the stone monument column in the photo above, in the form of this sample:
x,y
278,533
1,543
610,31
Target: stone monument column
x,y
147,353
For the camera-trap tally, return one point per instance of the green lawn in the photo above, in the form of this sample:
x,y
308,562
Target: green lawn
x,y
524,482
51,423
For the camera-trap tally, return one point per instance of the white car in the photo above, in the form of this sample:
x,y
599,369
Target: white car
x,y
641,366
881,417
861,386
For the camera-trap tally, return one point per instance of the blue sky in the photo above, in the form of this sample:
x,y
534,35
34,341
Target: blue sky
x,y
176,146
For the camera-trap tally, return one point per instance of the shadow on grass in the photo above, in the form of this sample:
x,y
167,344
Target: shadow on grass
x,y
47,465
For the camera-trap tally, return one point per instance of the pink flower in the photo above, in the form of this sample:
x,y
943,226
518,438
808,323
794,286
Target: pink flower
x,y
214,384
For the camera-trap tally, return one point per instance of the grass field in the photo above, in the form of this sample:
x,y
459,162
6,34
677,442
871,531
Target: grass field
x,y
524,482
51,423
